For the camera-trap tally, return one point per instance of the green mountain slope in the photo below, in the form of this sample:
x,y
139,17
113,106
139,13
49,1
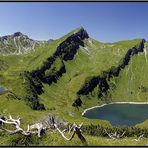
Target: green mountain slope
x,y
70,74
132,83
62,68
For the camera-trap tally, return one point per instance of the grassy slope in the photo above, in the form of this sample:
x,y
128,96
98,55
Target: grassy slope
x,y
59,96
131,79
64,92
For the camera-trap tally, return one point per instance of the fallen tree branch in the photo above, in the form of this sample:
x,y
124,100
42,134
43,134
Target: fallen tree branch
x,y
138,138
75,130
15,122
114,135
39,128
62,133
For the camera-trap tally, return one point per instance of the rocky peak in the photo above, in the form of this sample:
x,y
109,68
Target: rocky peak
x,y
82,33
17,43
16,34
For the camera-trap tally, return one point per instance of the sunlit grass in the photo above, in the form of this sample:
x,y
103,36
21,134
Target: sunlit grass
x,y
90,61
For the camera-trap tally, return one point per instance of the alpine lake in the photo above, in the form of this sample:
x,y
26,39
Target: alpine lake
x,y
119,114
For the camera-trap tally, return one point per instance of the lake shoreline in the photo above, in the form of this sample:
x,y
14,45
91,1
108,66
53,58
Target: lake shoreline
x,y
98,106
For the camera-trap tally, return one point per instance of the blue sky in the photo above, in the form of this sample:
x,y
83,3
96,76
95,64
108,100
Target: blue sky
x,y
104,21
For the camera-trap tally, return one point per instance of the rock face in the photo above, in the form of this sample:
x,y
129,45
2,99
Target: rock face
x,y
53,68
50,120
17,43
102,81
69,47
17,34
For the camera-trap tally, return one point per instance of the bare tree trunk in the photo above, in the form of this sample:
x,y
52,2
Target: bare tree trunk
x,y
39,129
76,130
81,137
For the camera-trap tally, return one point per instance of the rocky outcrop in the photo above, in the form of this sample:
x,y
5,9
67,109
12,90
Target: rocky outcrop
x,y
69,47
102,81
51,119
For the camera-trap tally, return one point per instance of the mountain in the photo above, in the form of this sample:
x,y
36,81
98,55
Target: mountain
x,y
74,67
70,74
18,43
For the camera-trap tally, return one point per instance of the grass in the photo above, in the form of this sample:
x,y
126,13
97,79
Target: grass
x,y
54,139
131,79
90,60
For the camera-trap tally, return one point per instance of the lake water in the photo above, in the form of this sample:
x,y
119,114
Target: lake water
x,y
120,114
2,89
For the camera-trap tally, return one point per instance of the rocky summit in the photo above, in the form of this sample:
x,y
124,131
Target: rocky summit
x,y
18,43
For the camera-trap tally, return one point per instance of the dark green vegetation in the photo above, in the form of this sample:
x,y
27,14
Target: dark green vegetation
x,y
68,75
